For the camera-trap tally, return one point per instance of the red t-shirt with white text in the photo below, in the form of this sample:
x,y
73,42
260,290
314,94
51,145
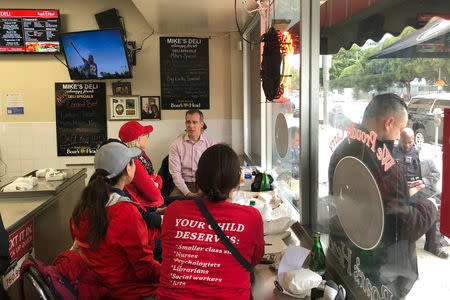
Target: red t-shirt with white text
x,y
196,265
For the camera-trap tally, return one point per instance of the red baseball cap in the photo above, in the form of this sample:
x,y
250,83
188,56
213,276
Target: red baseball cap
x,y
131,130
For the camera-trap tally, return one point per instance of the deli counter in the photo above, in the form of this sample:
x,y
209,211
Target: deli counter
x,y
37,221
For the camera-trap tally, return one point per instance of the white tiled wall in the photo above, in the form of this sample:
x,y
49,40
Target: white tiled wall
x,y
25,147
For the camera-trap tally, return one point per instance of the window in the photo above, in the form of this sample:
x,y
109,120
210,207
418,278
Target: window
x,y
372,252
272,133
283,114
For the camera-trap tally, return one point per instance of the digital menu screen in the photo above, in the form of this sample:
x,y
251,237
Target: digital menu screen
x,y
29,30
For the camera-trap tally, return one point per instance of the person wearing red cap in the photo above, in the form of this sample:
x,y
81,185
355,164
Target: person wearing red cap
x,y
146,185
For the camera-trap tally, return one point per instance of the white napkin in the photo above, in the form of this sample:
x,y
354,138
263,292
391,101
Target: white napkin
x,y
300,282
43,172
55,175
21,184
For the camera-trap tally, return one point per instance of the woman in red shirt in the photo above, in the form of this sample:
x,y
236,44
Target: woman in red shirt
x,y
146,185
109,229
196,265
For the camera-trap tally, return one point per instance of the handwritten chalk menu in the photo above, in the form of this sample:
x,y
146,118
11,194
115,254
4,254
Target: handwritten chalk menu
x,y
80,117
184,72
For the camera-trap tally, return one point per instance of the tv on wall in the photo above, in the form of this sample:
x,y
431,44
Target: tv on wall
x,y
97,54
29,31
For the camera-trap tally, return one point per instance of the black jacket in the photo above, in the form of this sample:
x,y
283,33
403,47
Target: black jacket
x,y
4,255
4,248
393,262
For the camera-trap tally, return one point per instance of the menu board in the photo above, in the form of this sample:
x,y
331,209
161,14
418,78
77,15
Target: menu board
x,y
80,117
184,72
29,30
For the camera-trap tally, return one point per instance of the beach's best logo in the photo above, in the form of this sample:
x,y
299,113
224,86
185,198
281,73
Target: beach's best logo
x,y
368,139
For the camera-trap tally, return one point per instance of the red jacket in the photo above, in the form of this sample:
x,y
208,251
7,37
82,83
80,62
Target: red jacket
x,y
195,263
123,258
143,188
88,283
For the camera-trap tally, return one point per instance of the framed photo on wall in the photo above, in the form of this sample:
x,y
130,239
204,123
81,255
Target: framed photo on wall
x,y
124,108
121,88
150,108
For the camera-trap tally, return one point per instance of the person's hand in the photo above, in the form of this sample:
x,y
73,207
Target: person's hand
x,y
434,202
415,189
416,183
190,194
161,208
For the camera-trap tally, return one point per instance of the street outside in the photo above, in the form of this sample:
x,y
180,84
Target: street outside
x,y
432,281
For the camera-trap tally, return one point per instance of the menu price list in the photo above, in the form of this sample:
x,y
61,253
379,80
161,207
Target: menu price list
x,y
32,34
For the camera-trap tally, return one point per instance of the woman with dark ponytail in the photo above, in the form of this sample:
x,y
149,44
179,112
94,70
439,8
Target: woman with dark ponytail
x,y
109,229
193,254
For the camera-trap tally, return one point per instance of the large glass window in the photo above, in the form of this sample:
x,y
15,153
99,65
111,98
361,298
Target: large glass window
x,y
375,189
272,128
283,114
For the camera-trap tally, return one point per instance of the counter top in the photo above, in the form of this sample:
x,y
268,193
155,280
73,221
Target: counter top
x,y
16,207
43,187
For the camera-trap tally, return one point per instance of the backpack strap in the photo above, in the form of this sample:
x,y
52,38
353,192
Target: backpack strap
x,y
223,238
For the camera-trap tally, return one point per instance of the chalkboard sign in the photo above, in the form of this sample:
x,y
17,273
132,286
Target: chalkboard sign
x,y
80,117
184,72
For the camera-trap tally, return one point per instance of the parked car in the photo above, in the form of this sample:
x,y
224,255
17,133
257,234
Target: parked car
x,y
425,114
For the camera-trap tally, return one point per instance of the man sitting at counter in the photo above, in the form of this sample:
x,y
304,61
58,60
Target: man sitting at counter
x,y
393,262
185,152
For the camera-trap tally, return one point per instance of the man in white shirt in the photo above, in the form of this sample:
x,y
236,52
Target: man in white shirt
x,y
185,152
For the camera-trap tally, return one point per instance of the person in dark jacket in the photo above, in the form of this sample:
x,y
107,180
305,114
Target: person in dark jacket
x,y
406,155
5,258
393,262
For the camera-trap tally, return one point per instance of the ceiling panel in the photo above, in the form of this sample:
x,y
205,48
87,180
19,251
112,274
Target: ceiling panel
x,y
186,16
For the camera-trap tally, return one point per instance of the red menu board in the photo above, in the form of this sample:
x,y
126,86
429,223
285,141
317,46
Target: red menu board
x,y
29,31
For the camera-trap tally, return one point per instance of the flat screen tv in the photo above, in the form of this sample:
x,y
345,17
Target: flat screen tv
x,y
97,54
29,31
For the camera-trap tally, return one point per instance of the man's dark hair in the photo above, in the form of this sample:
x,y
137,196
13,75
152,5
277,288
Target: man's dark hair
x,y
195,111
384,105
218,172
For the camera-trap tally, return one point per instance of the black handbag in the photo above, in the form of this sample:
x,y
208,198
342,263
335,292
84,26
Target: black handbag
x,y
223,238
256,185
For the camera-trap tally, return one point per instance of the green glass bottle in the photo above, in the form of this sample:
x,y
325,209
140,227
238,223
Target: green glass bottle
x,y
316,256
265,183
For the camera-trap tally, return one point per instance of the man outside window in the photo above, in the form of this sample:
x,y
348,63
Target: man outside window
x,y
406,155
185,152
393,262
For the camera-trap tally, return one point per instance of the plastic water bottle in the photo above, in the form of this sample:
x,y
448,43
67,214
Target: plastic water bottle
x,y
248,172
